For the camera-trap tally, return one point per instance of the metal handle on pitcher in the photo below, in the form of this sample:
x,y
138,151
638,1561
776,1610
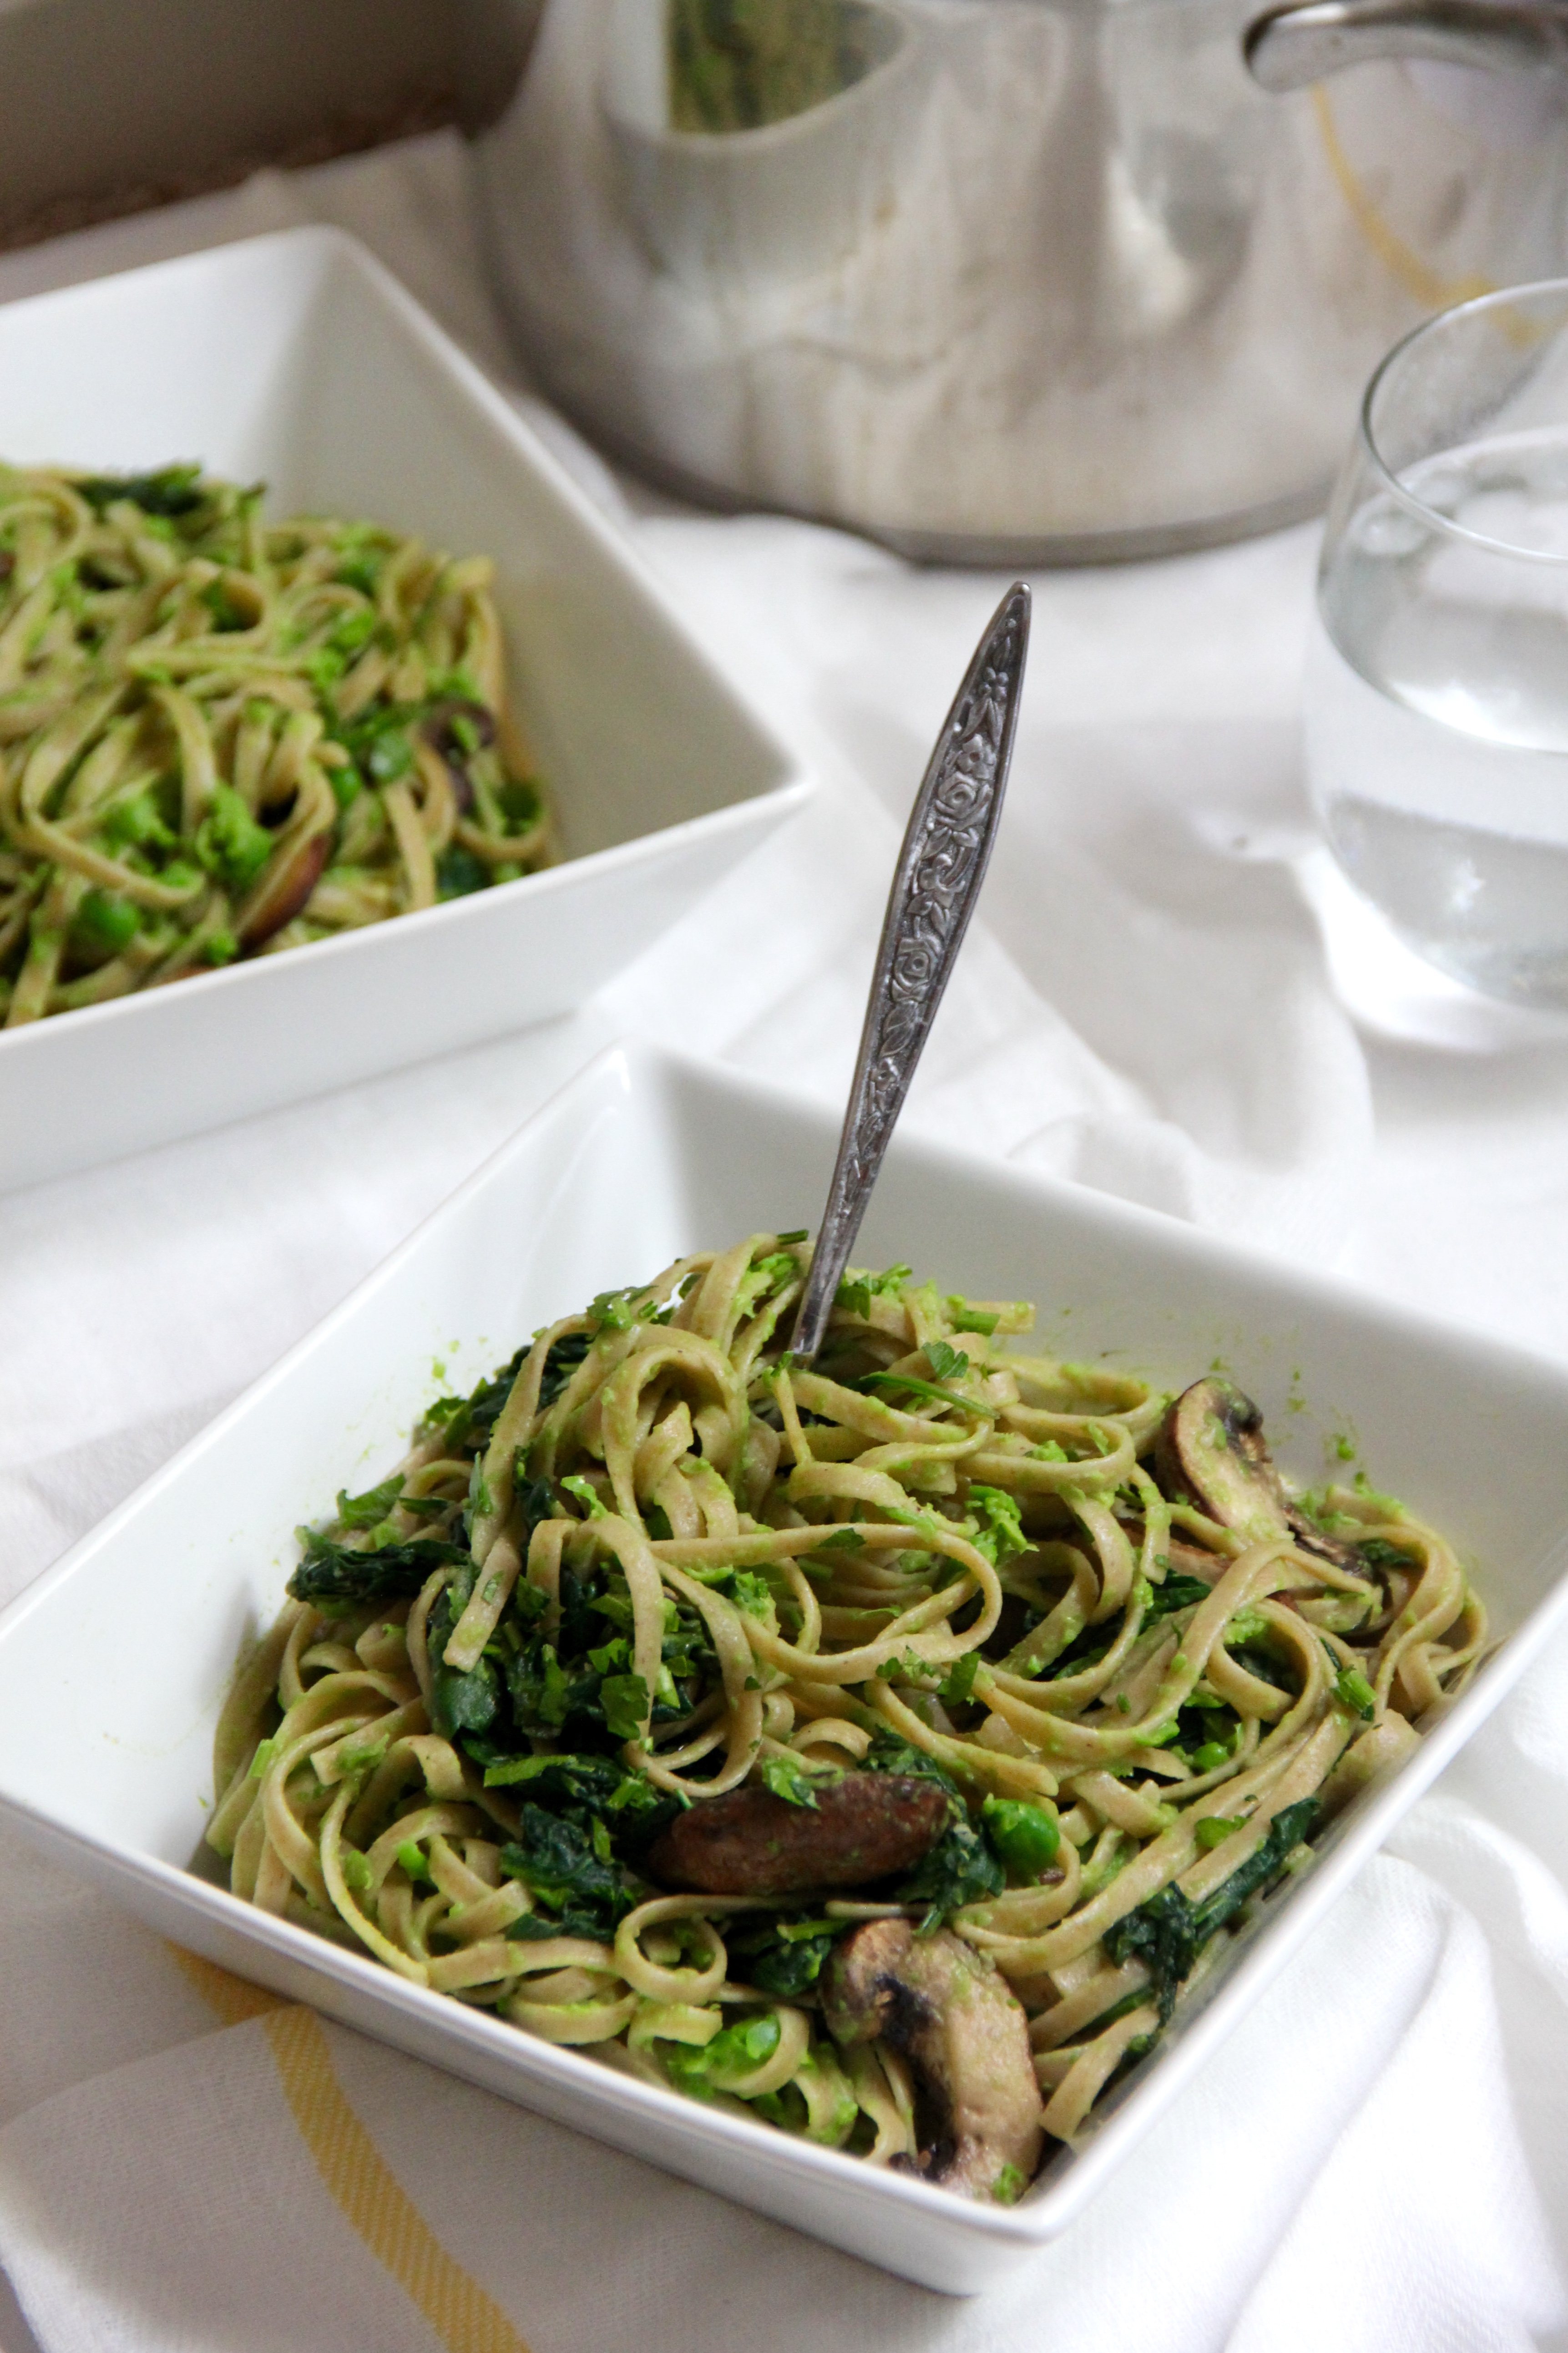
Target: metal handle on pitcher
x,y
1287,47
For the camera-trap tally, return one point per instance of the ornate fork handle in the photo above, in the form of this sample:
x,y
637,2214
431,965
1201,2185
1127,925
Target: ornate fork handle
x,y
941,868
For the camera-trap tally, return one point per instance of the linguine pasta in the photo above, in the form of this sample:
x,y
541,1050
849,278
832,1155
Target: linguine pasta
x,y
221,737
1079,1629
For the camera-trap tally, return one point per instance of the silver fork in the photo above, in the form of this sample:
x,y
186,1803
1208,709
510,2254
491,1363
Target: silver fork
x,y
941,868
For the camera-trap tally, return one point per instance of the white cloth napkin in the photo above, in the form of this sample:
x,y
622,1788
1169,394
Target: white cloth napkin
x,y
1373,2161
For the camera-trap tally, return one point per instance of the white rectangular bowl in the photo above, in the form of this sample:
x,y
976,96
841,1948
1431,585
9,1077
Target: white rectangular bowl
x,y
113,1666
298,360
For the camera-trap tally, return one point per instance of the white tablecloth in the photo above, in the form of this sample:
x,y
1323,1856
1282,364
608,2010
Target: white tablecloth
x,y
1375,2161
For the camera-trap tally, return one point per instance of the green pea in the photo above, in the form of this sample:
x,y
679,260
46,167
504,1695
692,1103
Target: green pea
x,y
1025,1837
105,922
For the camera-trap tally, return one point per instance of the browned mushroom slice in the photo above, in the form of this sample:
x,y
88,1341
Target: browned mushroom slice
x,y
1181,1559
749,1842
1211,1451
439,730
284,894
963,2031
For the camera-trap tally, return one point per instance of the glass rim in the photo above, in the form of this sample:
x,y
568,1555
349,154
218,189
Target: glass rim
x,y
1406,498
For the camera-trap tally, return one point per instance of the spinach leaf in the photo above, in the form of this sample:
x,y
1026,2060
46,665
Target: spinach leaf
x,y
176,490
1086,1649
538,1503
458,873
1167,1933
858,1289
786,1956
368,1511
581,1786
577,1631
562,1781
888,1753
579,1684
1177,1593
688,1653
549,1691
468,1421
636,1811
1287,1831
959,1869
336,1572
963,1867
903,1384
784,1777
957,1688
543,1693
520,803
485,1404
461,1699
565,1354
1378,1553
570,1873
1163,1935
1262,1663
624,1701
464,1702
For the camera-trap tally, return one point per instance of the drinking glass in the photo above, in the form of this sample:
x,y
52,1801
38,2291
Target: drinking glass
x,y
1436,690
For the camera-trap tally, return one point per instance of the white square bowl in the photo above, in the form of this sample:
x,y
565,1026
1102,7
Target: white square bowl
x,y
297,360
113,1666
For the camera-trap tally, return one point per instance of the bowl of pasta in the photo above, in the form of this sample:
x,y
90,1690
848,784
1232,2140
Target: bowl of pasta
x,y
325,694
870,1789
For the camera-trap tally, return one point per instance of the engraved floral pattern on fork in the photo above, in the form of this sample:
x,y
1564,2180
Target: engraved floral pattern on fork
x,y
954,838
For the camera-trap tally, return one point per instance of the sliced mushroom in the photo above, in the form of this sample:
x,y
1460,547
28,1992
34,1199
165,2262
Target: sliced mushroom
x,y
749,1843
964,2033
439,733
1211,1451
283,894
1181,1559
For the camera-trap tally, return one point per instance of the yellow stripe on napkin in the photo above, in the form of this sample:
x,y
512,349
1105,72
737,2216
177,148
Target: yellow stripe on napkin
x,y
462,2316
231,1997
362,2184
